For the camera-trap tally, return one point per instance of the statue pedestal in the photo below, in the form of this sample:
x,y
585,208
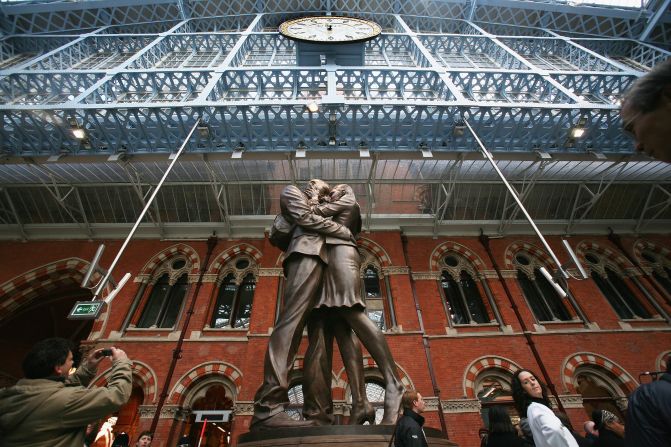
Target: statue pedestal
x,y
333,436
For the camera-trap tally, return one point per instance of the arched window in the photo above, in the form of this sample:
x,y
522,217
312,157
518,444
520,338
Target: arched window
x,y
167,296
661,268
375,395
599,390
493,388
235,297
375,392
211,397
375,290
542,298
295,407
613,287
374,297
462,299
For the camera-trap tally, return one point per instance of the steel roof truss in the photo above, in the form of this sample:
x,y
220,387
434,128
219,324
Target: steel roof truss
x,y
658,207
592,197
220,195
12,211
138,187
445,193
510,212
370,187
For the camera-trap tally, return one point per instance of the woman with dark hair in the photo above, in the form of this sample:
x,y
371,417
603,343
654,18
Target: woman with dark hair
x,y
501,430
531,400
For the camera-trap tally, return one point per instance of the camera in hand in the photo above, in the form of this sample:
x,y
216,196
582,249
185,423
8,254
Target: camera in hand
x,y
104,353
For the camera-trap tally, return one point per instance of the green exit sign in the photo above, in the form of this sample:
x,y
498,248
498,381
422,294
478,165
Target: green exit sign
x,y
86,310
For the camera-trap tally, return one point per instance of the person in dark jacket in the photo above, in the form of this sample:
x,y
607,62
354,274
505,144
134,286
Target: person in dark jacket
x,y
409,432
649,413
611,430
50,407
501,430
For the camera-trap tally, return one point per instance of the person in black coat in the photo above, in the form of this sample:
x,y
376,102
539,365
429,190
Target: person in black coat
x,y
409,432
611,430
501,430
649,413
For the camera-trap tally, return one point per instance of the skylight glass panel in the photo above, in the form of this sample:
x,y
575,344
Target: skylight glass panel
x,y
620,3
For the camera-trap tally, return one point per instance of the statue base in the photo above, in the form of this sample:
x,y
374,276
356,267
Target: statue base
x,y
333,436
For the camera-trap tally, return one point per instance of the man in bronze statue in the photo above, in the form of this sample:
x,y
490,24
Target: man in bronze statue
x,y
322,270
304,266
340,309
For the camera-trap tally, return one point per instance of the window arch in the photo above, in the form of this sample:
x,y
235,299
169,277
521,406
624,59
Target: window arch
x,y
375,290
167,295
212,395
599,390
494,388
375,392
235,295
462,299
661,268
542,298
295,407
609,280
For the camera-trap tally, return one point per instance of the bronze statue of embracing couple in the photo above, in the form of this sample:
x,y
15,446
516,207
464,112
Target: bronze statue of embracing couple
x,y
322,290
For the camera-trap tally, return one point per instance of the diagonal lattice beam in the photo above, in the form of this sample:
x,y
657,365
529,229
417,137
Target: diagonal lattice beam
x,y
511,211
138,187
220,194
370,189
654,206
654,20
14,214
61,191
445,192
592,197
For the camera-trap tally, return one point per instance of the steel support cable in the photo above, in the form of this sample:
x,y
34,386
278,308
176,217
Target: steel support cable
x,y
489,157
484,240
177,352
425,342
142,214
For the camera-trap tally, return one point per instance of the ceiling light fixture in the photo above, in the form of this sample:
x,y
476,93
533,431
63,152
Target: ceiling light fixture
x,y
239,149
313,107
301,150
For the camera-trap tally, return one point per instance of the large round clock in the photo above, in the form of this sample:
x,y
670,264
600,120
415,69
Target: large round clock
x,y
330,29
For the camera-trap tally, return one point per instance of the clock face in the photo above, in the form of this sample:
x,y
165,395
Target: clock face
x,y
330,29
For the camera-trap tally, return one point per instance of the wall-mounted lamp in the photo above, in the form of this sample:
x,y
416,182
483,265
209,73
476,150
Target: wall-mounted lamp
x,y
424,149
580,129
238,150
301,150
204,130
54,158
459,129
79,133
543,155
364,152
577,132
77,130
597,155
121,155
312,107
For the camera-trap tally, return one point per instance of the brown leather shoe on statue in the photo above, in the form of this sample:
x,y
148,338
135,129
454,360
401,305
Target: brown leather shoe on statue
x,y
280,420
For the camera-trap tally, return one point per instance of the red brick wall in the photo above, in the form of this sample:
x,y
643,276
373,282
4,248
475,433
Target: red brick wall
x,y
634,350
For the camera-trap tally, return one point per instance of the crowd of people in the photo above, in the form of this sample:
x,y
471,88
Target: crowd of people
x,y
648,420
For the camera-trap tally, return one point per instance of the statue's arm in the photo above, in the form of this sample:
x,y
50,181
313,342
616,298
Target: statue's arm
x,y
295,205
330,209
